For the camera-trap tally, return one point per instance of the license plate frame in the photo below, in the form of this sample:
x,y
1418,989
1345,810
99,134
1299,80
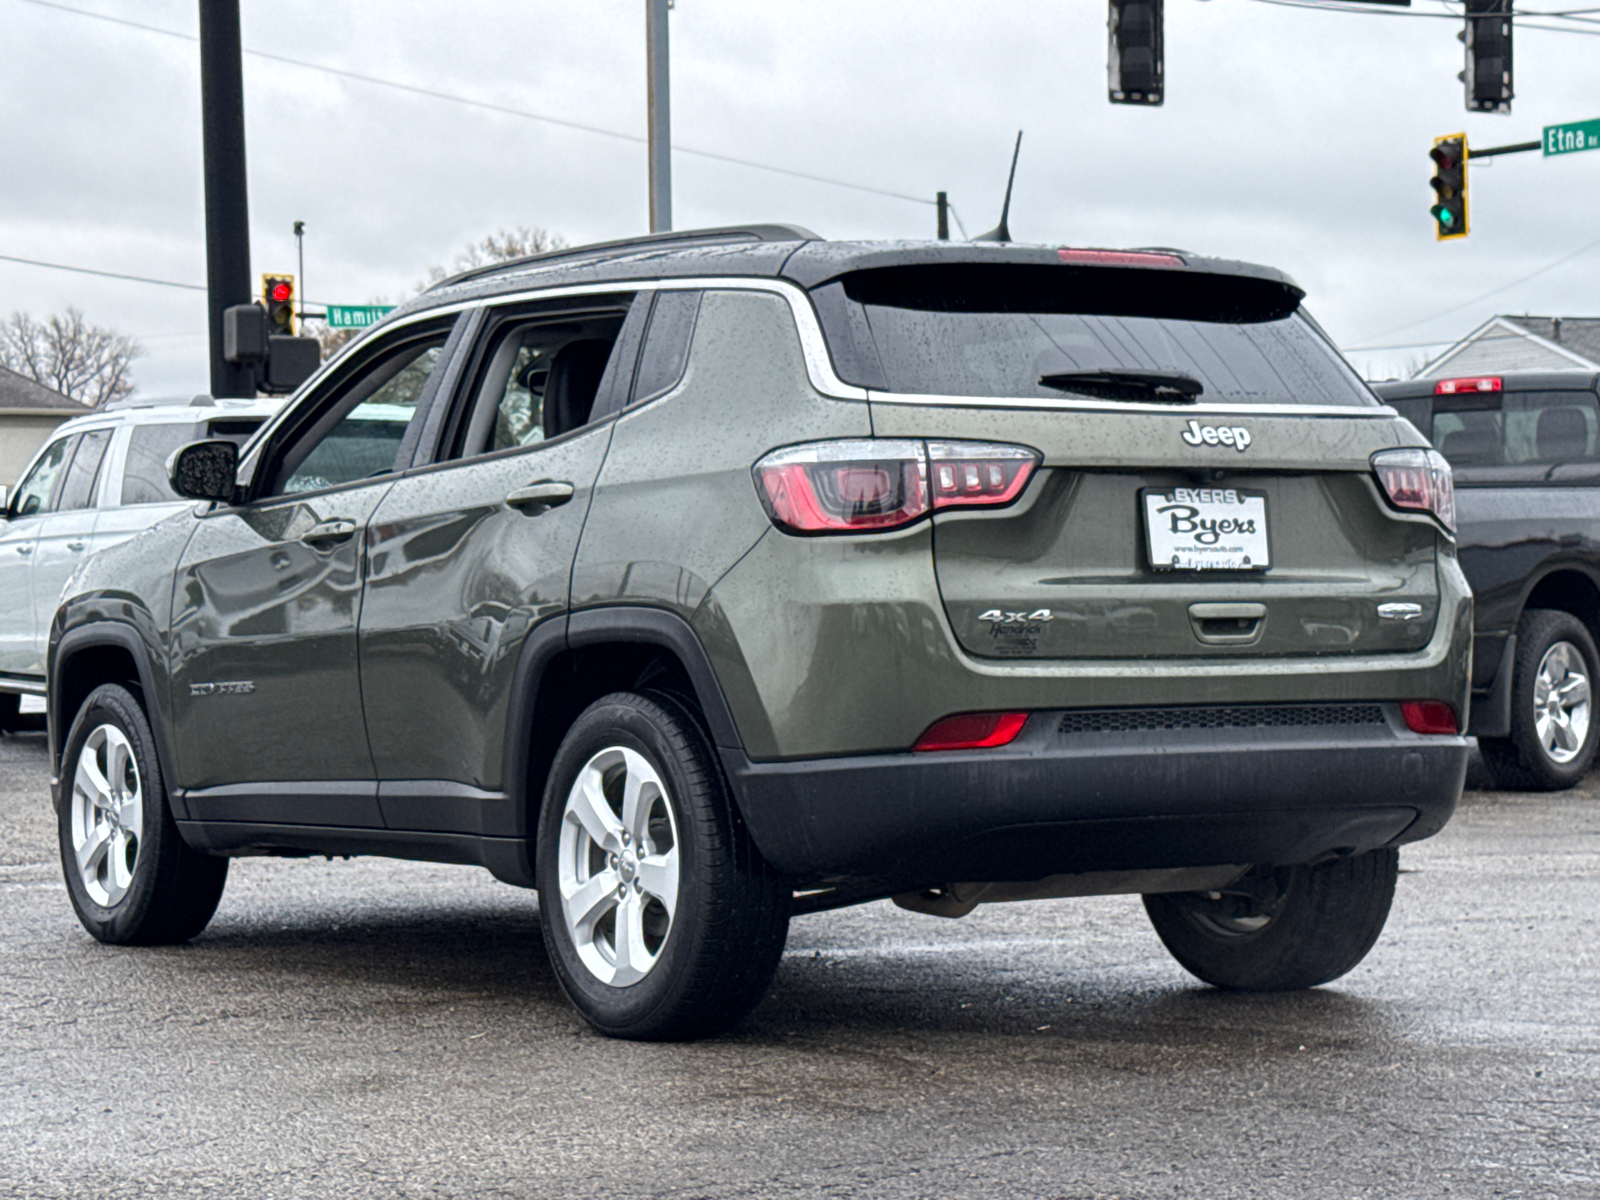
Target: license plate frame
x,y
1245,550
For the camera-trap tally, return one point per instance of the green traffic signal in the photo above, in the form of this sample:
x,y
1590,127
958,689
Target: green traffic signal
x,y
1449,184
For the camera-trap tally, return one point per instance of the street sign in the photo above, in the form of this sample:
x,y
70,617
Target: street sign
x,y
1572,137
356,316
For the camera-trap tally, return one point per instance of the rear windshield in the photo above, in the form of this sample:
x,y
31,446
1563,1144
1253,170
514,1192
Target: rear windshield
x,y
997,330
1517,429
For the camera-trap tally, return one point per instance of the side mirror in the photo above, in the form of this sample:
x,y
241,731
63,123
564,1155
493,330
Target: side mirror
x,y
205,470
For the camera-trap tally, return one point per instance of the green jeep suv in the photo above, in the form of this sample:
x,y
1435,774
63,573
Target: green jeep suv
x,y
705,580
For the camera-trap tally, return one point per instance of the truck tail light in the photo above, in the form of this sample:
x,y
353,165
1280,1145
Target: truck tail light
x,y
1429,716
1461,387
972,731
867,484
1419,480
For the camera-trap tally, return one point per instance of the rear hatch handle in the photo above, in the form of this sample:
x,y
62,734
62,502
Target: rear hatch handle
x,y
1225,624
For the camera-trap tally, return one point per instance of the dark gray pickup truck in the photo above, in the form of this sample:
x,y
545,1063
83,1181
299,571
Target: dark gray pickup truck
x,y
1525,447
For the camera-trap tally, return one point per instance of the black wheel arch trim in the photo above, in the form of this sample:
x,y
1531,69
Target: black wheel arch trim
x,y
595,627
88,637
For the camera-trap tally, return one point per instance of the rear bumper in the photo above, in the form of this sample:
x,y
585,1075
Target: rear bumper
x,y
1188,793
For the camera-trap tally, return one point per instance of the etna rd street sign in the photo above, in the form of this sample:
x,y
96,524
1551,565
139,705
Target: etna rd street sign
x,y
356,316
1572,137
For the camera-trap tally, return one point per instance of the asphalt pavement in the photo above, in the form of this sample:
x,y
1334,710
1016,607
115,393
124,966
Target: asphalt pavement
x,y
371,1028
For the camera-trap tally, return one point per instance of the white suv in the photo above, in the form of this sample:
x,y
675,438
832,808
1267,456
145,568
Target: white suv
x,y
98,481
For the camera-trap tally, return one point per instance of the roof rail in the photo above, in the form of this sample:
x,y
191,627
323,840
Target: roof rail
x,y
721,235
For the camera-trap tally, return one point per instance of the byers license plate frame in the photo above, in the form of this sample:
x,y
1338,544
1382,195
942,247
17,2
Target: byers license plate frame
x,y
1206,529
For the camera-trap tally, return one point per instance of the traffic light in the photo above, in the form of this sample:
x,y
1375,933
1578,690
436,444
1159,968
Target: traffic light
x,y
1135,67
1488,40
1449,181
277,294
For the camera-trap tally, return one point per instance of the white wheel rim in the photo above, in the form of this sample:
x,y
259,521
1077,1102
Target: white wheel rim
x,y
107,815
1561,702
618,866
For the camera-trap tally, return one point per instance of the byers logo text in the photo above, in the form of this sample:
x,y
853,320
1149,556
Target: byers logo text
x,y
1236,436
1207,531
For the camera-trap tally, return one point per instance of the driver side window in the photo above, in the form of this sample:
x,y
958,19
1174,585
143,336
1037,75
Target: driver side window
x,y
358,433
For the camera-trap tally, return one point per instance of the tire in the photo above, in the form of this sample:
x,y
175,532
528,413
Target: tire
x,y
688,971
1280,929
142,886
1553,647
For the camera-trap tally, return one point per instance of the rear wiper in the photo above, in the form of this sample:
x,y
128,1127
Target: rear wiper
x,y
1114,383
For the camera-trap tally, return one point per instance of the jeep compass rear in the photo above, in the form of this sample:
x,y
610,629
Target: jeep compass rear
x,y
724,577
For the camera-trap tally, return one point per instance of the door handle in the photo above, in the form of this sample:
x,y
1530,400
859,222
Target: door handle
x,y
328,533
76,545
537,497
25,548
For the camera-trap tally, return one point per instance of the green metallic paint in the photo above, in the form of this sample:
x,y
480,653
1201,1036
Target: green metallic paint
x,y
456,580
676,505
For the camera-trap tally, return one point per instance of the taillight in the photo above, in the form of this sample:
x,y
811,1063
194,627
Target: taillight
x,y
972,731
868,484
1461,387
1429,716
1420,480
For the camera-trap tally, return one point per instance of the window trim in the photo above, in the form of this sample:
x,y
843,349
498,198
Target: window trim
x,y
49,505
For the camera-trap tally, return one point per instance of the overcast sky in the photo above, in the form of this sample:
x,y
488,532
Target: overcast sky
x,y
1291,137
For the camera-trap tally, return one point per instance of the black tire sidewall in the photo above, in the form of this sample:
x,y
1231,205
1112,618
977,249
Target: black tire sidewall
x,y
1538,631
123,921
641,725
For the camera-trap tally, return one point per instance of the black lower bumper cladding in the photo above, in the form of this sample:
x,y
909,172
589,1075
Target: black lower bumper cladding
x,y
1111,790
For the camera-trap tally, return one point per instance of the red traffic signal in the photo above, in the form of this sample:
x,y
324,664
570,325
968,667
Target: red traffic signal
x,y
278,293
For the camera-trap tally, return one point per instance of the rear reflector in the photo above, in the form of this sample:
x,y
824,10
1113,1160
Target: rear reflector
x,y
972,731
1458,387
1429,716
1118,258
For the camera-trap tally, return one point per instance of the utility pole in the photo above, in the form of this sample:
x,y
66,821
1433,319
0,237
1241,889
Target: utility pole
x,y
227,210
942,203
660,105
300,279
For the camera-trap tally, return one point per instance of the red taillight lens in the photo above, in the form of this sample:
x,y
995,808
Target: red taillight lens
x,y
972,731
862,485
1429,716
1418,479
1459,387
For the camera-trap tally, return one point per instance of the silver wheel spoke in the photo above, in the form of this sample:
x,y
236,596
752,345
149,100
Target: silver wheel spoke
x,y
1573,692
94,848
633,958
590,901
588,806
658,876
638,796
91,781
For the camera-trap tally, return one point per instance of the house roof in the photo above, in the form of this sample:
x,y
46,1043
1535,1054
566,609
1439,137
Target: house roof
x,y
20,392
1526,343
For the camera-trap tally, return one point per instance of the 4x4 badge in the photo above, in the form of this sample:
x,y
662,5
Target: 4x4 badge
x,y
1236,436
1001,617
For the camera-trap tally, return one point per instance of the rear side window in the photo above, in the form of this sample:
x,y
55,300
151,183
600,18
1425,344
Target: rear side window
x,y
1510,429
144,476
666,345
1001,330
78,489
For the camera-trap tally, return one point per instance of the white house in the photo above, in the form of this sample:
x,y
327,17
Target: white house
x,y
1521,344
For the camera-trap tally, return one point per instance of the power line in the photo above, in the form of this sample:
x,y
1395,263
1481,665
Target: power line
x,y
1504,287
1568,15
490,106
35,262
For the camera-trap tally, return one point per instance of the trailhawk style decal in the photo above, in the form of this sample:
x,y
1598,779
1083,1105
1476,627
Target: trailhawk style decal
x,y
1236,436
239,687
1206,529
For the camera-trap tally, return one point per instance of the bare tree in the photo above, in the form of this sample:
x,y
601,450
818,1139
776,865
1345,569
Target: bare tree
x,y
502,246
65,352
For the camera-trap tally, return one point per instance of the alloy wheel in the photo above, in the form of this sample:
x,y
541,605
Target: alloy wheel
x,y
107,814
619,865
1561,697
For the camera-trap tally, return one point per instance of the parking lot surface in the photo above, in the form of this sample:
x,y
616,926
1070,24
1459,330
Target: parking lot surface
x,y
392,1029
